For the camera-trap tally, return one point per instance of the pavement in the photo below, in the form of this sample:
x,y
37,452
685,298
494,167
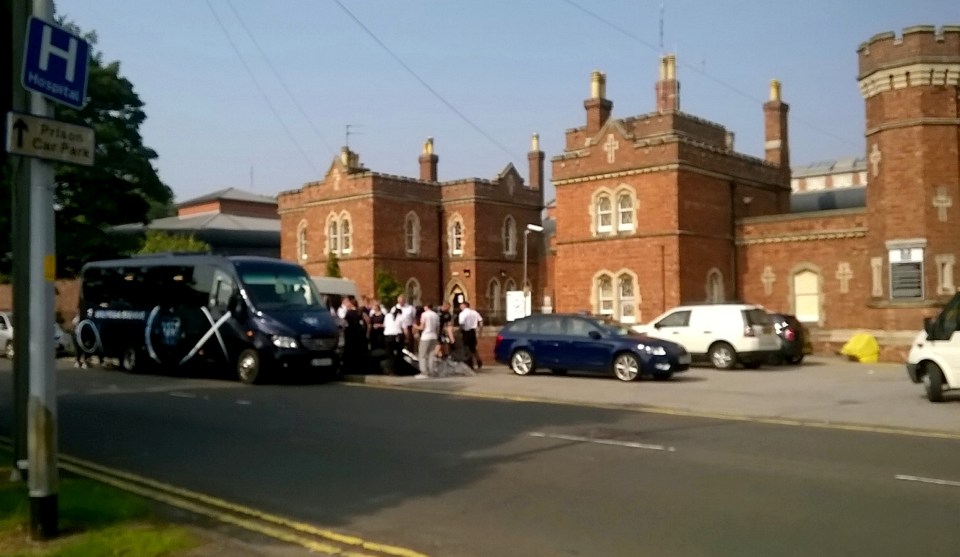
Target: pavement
x,y
824,391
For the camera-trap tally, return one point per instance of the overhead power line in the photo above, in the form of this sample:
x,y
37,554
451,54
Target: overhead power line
x,y
263,93
718,81
280,80
426,85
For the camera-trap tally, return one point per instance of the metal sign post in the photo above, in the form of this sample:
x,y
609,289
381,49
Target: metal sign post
x,y
55,66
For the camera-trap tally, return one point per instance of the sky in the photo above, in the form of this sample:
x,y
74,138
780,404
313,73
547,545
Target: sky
x,y
258,94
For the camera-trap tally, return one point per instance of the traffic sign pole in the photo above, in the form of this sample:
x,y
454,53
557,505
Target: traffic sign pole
x,y
42,405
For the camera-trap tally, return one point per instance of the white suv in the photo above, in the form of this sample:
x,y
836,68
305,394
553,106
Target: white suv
x,y
723,334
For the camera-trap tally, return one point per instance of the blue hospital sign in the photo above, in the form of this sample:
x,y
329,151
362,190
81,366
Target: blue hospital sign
x,y
55,63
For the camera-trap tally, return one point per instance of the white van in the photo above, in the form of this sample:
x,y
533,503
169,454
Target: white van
x,y
934,357
723,334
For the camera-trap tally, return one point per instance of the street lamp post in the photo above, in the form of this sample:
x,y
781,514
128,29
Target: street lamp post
x,y
526,290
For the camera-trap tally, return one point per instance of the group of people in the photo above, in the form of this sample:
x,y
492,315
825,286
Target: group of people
x,y
422,333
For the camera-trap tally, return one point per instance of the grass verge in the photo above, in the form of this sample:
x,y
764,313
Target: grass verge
x,y
94,519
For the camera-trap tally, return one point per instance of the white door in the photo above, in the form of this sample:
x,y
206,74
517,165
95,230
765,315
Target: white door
x,y
674,326
703,330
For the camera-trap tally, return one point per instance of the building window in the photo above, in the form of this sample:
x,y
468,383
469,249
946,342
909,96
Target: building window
x,y
604,214
624,212
412,292
509,234
333,235
456,235
302,240
493,297
806,296
346,236
906,273
605,295
626,304
411,233
715,292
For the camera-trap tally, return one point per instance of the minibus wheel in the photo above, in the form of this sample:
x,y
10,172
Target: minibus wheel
x,y
129,360
933,382
248,366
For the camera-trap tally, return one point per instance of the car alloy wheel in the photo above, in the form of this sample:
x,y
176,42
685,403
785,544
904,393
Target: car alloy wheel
x,y
521,362
626,367
722,356
248,367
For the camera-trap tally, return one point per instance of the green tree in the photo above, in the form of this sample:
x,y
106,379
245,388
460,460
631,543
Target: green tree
x,y
157,241
333,265
386,286
122,186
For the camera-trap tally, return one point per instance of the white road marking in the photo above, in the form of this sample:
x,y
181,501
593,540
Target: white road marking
x,y
936,481
178,394
244,402
630,444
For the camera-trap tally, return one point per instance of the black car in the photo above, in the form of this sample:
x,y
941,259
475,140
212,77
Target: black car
x,y
561,342
794,341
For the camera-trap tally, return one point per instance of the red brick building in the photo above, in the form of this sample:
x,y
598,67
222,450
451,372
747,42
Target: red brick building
x,y
439,239
659,209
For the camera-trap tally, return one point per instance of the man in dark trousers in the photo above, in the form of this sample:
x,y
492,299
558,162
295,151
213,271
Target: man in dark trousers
x,y
470,324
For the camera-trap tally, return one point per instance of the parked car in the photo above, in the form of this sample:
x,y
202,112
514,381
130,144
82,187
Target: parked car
x,y
561,342
722,334
62,342
794,339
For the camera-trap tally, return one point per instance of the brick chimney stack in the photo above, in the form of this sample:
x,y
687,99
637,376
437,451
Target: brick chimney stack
x,y
777,146
535,156
428,162
598,107
668,88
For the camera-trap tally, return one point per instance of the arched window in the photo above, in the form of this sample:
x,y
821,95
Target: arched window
x,y
624,212
626,303
509,234
456,235
715,293
806,296
604,214
333,235
302,240
412,291
346,235
493,297
604,288
411,233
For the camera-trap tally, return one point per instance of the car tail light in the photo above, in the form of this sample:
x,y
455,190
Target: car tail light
x,y
499,340
789,334
748,331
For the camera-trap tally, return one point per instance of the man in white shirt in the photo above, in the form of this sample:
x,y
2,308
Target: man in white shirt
x,y
407,315
429,328
470,324
393,339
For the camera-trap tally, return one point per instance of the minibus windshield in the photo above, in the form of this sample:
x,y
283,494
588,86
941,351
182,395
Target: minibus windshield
x,y
272,287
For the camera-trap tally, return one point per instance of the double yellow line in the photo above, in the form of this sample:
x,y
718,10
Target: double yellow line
x,y
319,540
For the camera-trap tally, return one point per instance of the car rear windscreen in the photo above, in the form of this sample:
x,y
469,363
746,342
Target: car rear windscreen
x,y
756,317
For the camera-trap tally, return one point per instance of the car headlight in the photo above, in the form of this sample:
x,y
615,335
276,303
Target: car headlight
x,y
283,342
652,350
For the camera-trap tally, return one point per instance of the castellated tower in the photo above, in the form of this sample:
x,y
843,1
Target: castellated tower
x,y
910,85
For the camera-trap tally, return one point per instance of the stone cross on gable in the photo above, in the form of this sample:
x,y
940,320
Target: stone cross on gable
x,y
768,278
942,202
844,274
611,147
875,158
336,178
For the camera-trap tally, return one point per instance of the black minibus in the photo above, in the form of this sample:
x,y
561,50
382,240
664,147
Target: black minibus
x,y
254,315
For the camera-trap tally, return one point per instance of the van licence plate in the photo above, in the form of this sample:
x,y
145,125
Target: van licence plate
x,y
321,362
684,359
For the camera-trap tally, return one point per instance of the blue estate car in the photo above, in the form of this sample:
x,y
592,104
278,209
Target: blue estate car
x,y
561,342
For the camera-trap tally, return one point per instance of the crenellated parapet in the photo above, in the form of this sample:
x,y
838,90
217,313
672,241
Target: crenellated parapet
x,y
923,55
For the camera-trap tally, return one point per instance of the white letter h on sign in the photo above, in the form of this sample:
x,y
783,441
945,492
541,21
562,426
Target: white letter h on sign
x,y
47,48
